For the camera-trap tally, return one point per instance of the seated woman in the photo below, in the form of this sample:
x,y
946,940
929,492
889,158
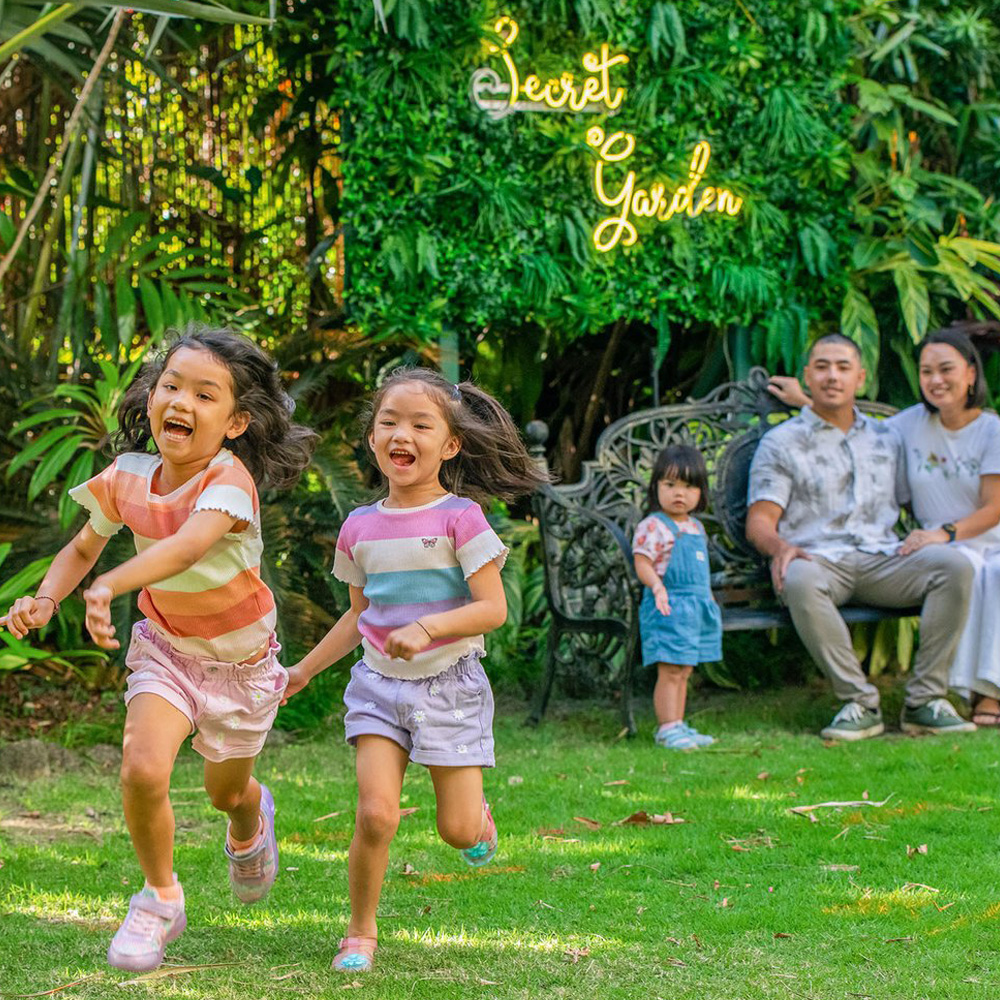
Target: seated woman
x,y
952,450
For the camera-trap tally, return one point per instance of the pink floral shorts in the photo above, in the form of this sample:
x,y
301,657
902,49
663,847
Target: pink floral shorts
x,y
231,706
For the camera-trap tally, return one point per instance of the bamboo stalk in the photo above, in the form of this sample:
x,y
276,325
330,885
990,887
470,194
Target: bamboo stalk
x,y
69,131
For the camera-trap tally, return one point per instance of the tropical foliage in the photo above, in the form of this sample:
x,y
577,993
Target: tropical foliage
x,y
325,182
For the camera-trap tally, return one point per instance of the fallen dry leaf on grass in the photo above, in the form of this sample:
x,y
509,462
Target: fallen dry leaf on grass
x,y
595,866
408,869
356,985
57,989
575,954
590,824
781,934
670,960
620,781
515,779
408,811
643,818
764,775
165,972
319,819
848,804
487,982
550,831
910,851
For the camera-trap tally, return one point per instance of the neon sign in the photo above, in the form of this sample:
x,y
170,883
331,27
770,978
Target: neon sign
x,y
499,98
594,94
652,202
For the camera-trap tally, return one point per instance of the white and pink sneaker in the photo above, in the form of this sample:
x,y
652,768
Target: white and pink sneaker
x,y
150,925
252,872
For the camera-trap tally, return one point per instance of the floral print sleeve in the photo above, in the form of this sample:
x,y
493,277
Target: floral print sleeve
x,y
654,540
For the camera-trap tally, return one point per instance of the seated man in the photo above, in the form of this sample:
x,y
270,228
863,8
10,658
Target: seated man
x,y
824,498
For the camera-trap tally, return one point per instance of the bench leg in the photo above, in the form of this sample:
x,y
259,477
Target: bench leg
x,y
628,673
545,691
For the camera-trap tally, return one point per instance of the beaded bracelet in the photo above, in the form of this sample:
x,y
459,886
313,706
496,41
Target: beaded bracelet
x,y
55,603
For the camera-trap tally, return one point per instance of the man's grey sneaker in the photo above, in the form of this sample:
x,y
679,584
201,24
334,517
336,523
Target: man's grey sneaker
x,y
937,716
854,722
252,873
151,924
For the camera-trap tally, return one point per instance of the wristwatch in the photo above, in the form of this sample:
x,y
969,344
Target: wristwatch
x,y
951,529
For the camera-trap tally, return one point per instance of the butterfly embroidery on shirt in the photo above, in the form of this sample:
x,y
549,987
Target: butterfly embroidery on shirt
x,y
429,543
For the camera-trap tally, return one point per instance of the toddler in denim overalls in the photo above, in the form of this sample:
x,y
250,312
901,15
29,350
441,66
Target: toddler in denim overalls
x,y
679,621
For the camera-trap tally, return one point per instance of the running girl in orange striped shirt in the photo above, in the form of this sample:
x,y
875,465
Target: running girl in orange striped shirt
x,y
204,659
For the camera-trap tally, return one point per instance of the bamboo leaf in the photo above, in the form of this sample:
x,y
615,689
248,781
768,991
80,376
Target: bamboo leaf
x,y
20,583
125,310
53,463
913,300
39,446
151,305
59,413
182,8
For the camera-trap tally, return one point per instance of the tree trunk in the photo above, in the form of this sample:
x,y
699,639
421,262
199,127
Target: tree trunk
x,y
594,402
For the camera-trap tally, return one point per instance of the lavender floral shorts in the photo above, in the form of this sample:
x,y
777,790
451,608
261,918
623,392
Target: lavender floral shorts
x,y
443,720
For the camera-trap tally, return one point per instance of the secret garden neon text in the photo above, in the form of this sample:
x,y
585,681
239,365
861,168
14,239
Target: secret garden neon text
x,y
594,92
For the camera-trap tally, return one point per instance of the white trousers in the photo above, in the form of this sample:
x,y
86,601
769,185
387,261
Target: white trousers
x,y
976,667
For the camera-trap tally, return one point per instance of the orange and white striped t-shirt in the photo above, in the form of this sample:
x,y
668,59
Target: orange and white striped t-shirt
x,y
219,608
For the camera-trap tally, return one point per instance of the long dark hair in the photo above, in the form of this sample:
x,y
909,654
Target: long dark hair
x,y
492,460
274,450
678,461
976,398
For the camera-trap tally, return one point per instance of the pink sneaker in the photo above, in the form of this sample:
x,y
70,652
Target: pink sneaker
x,y
252,873
150,925
482,853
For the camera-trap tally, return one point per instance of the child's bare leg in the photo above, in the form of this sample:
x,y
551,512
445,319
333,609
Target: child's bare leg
x,y
154,732
381,764
670,693
461,820
234,791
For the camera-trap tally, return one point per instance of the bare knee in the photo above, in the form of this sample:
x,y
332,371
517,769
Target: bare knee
x,y
376,821
675,671
226,799
460,831
145,776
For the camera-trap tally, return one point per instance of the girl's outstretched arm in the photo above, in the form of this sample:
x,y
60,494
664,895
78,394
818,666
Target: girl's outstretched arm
x,y
72,563
486,611
338,642
163,559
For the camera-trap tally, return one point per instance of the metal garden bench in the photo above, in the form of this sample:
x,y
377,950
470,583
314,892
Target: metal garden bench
x,y
587,526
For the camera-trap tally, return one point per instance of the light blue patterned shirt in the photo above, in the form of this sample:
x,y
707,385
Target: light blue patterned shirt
x,y
839,492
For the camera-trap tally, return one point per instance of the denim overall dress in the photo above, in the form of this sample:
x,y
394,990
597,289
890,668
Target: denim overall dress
x,y
692,632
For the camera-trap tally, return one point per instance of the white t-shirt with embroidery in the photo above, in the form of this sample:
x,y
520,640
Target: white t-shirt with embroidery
x,y
944,468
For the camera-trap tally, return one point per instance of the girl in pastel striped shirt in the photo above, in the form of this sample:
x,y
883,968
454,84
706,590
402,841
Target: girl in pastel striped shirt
x,y
423,566
204,659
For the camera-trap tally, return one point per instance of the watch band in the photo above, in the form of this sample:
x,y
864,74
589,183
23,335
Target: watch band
x,y
951,529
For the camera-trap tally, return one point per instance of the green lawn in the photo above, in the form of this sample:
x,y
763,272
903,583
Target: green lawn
x,y
742,900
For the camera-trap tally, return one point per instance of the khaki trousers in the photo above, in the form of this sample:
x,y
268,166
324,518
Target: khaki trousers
x,y
937,577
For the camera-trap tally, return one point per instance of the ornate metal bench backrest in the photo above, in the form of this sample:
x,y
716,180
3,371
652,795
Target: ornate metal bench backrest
x,y
725,426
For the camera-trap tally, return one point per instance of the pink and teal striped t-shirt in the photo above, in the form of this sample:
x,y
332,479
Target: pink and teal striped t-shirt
x,y
410,562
